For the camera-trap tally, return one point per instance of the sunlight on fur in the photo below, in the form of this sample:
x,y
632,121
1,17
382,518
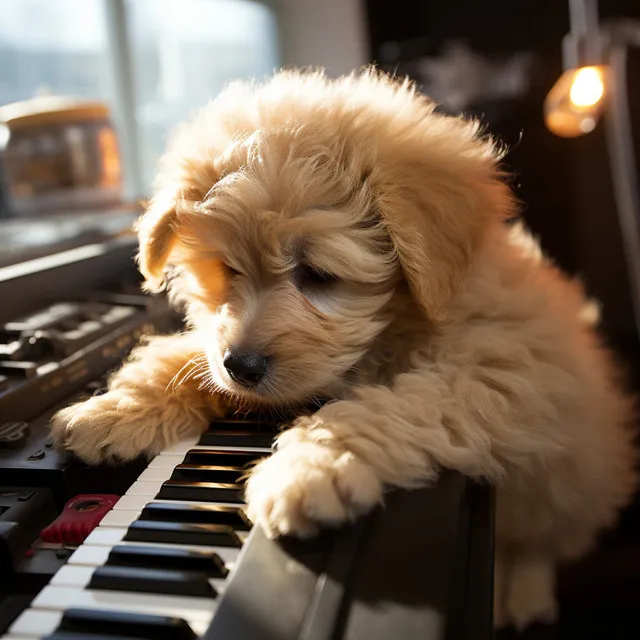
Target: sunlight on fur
x,y
341,239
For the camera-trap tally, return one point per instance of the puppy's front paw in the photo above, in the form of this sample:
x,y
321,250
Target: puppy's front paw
x,y
107,428
305,485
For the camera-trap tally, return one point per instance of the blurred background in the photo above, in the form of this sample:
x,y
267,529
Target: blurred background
x,y
89,90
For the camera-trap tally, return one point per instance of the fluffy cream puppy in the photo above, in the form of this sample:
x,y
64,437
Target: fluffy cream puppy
x,y
341,239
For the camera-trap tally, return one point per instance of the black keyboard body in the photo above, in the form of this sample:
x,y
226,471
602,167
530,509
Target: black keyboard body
x,y
421,567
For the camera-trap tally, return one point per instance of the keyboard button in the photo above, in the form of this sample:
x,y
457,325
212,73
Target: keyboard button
x,y
210,535
123,624
179,583
206,562
13,435
200,491
205,514
44,319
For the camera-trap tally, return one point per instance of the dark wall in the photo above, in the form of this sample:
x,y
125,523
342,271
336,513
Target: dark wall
x,y
564,185
491,25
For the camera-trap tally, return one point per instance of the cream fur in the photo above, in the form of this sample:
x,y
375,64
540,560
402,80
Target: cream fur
x,y
446,339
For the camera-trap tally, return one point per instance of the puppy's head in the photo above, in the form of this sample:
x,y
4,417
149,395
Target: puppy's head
x,y
293,210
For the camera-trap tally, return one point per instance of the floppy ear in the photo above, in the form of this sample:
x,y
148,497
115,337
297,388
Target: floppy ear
x,y
156,237
437,209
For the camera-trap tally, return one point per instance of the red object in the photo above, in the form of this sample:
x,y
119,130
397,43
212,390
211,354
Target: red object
x,y
80,516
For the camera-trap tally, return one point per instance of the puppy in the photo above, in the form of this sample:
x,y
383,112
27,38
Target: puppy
x,y
341,239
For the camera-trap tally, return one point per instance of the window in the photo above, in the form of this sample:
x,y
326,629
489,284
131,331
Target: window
x,y
152,61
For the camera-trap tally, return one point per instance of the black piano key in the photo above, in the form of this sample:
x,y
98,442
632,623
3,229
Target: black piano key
x,y
4,383
218,457
83,635
207,562
25,370
178,583
210,535
205,514
240,423
123,624
236,438
200,491
208,473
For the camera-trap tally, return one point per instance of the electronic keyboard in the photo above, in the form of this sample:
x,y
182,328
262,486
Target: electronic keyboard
x,y
177,557
163,548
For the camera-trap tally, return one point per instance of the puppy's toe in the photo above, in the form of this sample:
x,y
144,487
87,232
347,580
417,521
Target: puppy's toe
x,y
321,500
103,428
79,429
357,483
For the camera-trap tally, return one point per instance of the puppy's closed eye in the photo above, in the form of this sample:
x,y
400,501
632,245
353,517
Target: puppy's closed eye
x,y
230,271
307,277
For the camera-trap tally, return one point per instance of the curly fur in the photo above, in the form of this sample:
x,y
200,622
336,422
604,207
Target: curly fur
x,y
445,339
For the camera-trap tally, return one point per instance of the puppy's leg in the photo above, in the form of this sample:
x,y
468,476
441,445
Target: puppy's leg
x,y
151,402
530,591
332,466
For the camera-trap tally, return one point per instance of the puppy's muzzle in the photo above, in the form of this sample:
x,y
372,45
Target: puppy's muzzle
x,y
246,369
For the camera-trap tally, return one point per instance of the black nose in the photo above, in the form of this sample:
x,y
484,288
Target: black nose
x,y
245,368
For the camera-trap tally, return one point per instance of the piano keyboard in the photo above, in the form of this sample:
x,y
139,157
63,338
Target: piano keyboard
x,y
159,562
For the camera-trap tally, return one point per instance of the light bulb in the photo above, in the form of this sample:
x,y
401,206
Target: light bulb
x,y
587,87
574,104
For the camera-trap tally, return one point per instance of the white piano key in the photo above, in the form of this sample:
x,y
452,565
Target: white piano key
x,y
169,462
131,503
89,554
198,612
108,538
145,488
119,518
11,636
138,503
182,449
153,474
79,576
36,622
72,576
185,443
105,536
122,519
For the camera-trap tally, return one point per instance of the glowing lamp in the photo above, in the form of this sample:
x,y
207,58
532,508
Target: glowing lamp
x,y
575,103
